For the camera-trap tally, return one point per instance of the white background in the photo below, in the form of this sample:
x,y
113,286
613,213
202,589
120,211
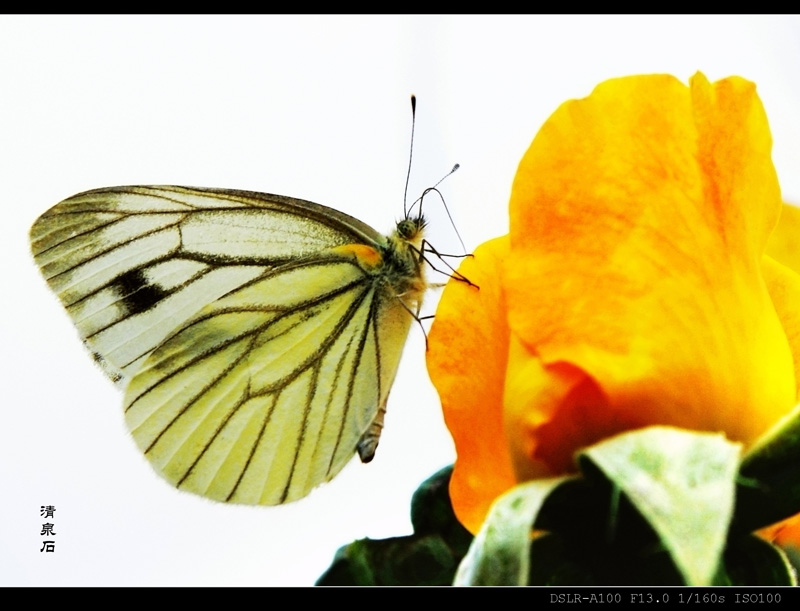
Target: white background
x,y
315,108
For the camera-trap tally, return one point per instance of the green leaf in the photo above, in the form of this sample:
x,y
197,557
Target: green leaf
x,y
350,567
578,505
555,562
769,486
605,540
682,483
428,557
792,553
432,512
749,561
398,561
500,553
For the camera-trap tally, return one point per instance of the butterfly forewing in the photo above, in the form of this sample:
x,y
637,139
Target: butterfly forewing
x,y
256,351
131,264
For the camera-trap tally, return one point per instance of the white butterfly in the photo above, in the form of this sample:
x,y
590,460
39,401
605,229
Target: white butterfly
x,y
257,336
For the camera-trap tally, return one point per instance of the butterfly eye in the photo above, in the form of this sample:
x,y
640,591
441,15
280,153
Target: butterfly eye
x,y
409,229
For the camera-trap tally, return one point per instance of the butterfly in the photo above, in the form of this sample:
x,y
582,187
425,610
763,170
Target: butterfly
x,y
256,336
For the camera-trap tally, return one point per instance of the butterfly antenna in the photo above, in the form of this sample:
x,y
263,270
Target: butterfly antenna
x,y
441,180
406,209
433,188
444,204
410,152
447,210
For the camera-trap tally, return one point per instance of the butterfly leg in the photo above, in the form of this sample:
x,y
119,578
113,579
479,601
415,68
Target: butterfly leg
x,y
427,247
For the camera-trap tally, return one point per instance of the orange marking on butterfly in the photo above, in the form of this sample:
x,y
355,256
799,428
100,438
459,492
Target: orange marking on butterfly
x,y
367,256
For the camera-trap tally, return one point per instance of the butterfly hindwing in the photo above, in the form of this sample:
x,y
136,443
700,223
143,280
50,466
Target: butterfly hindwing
x,y
234,406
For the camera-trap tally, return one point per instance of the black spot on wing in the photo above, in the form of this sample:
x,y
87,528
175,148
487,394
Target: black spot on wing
x,y
136,292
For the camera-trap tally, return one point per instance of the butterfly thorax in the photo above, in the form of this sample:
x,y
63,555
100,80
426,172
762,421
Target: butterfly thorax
x,y
395,263
402,261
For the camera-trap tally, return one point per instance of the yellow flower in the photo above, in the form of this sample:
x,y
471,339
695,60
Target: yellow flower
x,y
632,290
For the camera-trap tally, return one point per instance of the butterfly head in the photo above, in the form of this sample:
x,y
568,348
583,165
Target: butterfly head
x,y
410,229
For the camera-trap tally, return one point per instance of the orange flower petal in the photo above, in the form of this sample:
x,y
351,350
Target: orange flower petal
x,y
783,244
635,289
782,275
785,533
468,347
550,410
784,289
639,216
